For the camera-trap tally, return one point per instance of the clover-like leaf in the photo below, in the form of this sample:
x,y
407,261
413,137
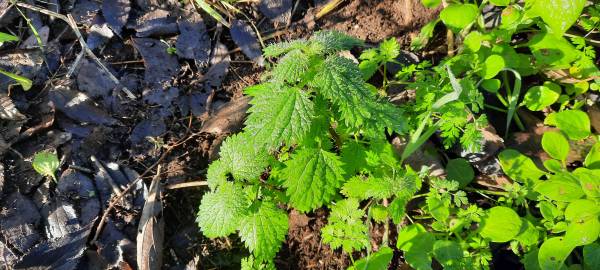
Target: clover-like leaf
x,y
556,145
501,224
553,252
539,97
459,16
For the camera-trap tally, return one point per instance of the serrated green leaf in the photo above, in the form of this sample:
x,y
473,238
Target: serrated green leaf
x,y
291,67
277,49
378,213
312,177
249,263
553,253
381,187
556,145
353,156
389,49
46,164
345,227
240,158
501,224
326,42
263,230
279,114
217,173
221,210
340,81
459,16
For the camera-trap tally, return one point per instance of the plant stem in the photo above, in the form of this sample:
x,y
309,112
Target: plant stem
x,y
495,108
484,191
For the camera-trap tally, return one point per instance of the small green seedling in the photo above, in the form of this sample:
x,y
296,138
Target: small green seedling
x,y
46,164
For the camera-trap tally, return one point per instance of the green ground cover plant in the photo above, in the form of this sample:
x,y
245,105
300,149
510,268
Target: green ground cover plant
x,y
318,135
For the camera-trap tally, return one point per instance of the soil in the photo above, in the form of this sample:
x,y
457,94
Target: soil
x,y
106,140
374,21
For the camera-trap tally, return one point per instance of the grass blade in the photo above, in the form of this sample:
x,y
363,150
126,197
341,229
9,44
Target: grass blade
x,y
513,98
24,82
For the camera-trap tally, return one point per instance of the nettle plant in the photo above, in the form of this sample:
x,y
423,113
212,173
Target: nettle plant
x,y
313,125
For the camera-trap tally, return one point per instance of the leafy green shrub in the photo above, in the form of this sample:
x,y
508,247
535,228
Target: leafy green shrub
x,y
317,136
313,124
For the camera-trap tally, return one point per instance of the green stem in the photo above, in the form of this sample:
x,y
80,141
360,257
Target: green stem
x,y
502,100
495,108
484,191
518,122
419,196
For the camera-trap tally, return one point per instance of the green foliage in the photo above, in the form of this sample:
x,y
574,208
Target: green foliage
x,y
296,151
558,14
459,16
539,97
376,261
345,227
4,37
417,245
574,123
501,224
556,145
221,210
318,133
24,82
46,164
263,229
460,171
278,114
311,178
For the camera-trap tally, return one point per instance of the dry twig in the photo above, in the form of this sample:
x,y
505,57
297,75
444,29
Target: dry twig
x,y
85,50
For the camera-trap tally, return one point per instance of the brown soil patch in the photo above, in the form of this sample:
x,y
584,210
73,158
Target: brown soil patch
x,y
375,21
